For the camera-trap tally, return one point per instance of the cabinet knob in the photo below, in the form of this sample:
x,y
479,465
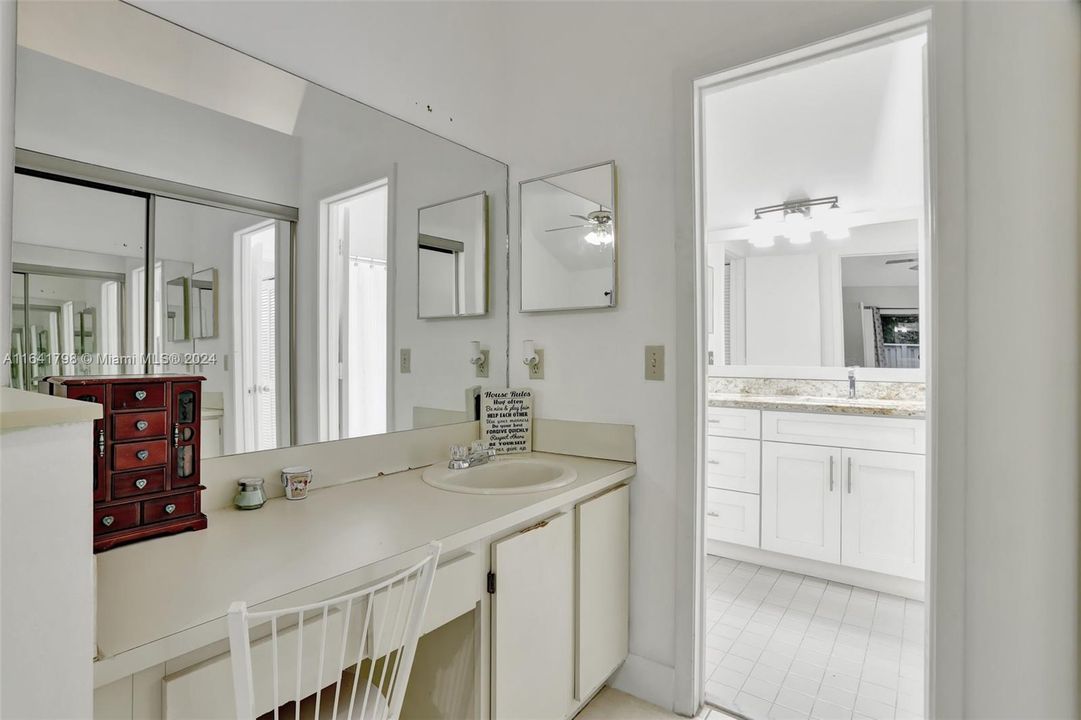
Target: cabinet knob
x,y
143,454
140,483
107,520
140,394
170,509
142,425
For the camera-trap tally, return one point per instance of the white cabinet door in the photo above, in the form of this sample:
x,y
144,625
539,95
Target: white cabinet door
x,y
732,517
604,571
533,622
733,464
883,512
801,500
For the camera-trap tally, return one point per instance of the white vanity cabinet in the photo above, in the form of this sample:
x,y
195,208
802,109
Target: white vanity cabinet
x,y
883,512
560,609
733,475
801,501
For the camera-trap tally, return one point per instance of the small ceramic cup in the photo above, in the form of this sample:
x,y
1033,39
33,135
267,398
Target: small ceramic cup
x,y
296,481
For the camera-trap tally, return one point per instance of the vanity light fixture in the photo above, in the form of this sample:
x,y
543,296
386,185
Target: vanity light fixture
x,y
799,221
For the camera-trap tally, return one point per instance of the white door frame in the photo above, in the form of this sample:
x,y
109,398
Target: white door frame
x,y
691,571
329,414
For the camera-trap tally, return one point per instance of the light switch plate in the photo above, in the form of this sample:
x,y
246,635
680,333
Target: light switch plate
x,y
405,361
536,370
482,366
654,362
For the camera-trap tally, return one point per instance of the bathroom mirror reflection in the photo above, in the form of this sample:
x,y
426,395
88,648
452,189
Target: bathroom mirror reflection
x,y
452,258
568,240
212,214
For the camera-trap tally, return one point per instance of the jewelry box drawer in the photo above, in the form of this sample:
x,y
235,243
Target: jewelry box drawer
x,y
134,455
136,396
140,482
172,506
117,517
135,426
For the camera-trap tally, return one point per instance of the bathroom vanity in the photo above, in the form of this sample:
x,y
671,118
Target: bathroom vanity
x,y
529,609
829,486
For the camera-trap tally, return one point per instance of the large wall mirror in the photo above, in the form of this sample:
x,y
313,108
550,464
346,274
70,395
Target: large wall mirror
x,y
182,207
568,240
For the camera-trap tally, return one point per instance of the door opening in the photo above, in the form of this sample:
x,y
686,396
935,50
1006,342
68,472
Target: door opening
x,y
812,232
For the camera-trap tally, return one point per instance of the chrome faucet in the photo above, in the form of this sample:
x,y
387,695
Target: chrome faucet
x,y
851,383
462,457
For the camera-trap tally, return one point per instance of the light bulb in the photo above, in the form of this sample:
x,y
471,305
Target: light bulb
x,y
797,219
834,225
798,235
761,232
598,236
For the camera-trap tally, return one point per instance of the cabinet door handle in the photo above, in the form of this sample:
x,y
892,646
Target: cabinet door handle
x,y
143,454
140,394
713,514
101,443
107,520
849,476
831,473
141,425
140,483
176,434
170,509
714,462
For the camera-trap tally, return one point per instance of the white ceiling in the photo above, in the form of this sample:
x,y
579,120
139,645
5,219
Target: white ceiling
x,y
105,34
850,126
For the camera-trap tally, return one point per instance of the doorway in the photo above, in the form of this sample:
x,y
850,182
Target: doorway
x,y
356,245
812,243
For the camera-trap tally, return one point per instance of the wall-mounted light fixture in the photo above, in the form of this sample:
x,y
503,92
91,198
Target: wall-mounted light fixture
x,y
796,221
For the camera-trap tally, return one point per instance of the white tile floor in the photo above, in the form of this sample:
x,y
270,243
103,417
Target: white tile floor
x,y
781,645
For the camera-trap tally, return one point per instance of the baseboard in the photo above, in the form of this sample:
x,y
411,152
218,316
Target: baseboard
x,y
911,589
647,680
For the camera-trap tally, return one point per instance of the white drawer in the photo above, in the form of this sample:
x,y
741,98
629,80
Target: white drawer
x,y
734,464
846,431
734,422
732,517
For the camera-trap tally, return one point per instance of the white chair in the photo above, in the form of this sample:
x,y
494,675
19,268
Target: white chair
x,y
321,676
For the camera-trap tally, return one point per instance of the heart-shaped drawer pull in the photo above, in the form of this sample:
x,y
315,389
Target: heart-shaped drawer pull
x,y
107,520
143,454
141,425
140,394
170,509
140,483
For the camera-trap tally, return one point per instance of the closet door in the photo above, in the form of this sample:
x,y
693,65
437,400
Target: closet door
x,y
883,512
801,500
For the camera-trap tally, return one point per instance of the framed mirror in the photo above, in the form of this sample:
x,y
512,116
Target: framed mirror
x,y
452,258
210,213
569,240
204,303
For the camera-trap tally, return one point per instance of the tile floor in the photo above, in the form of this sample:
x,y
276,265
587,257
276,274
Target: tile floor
x,y
781,645
611,704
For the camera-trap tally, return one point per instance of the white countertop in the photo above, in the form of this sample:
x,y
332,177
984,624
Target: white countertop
x,y
169,586
23,409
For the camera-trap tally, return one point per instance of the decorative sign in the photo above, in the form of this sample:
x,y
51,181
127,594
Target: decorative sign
x,y
507,420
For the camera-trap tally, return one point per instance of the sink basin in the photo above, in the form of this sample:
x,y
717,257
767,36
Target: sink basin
x,y
502,477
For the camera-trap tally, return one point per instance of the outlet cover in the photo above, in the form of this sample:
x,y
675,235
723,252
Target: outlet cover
x,y
405,361
482,366
654,362
536,370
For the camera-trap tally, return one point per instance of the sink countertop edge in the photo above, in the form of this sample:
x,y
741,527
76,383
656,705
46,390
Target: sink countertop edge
x,y
832,406
128,649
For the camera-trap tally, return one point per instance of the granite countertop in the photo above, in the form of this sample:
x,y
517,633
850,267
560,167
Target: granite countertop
x,y
837,405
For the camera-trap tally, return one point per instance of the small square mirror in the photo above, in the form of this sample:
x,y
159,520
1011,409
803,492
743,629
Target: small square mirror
x,y
568,240
204,304
452,258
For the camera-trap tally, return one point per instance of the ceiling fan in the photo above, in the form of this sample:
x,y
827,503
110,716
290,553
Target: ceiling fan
x,y
905,260
595,220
